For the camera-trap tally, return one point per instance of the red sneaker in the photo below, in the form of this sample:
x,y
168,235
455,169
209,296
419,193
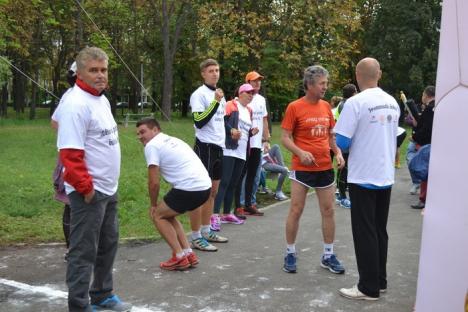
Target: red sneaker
x,y
193,259
175,264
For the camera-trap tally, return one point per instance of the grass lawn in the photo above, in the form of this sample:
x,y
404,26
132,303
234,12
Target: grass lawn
x,y
28,212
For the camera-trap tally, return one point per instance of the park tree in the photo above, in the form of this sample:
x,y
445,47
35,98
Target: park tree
x,y
404,37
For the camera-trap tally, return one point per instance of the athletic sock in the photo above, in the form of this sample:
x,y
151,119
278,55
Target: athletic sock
x,y
206,229
196,235
188,251
291,248
179,255
327,250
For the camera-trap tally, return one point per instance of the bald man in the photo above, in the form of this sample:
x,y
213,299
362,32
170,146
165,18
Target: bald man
x,y
368,128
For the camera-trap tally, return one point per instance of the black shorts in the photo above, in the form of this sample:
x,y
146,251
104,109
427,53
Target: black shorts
x,y
211,156
182,201
316,179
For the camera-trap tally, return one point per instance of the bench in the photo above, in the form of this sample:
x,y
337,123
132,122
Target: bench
x,y
133,118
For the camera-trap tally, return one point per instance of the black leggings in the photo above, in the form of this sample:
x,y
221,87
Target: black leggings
x,y
250,168
342,177
232,169
66,224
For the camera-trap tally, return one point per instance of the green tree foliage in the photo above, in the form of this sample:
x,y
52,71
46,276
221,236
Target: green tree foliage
x,y
404,37
168,39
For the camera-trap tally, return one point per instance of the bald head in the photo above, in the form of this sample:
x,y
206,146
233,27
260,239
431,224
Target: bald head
x,y
368,73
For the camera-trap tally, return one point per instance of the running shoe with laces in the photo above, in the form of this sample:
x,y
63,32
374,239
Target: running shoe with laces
x,y
355,293
280,196
202,244
112,303
240,213
332,264
345,203
290,263
215,223
192,259
175,264
231,218
214,238
253,211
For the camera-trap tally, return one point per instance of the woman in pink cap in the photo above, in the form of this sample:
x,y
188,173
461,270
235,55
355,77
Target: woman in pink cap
x,y
238,126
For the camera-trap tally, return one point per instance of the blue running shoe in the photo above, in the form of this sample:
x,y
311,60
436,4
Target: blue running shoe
x,y
332,264
290,263
345,203
113,303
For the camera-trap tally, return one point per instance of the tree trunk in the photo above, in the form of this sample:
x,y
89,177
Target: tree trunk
x,y
18,91
167,88
32,108
4,101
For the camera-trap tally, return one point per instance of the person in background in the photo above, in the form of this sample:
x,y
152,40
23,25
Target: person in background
x,y
307,132
208,107
245,191
90,153
238,127
342,176
57,177
367,128
177,163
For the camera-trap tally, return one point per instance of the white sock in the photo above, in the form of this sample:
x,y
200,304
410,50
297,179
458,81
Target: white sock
x,y
291,248
327,250
206,228
188,251
195,235
180,255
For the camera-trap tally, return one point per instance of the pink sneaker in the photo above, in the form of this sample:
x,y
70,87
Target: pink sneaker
x,y
231,218
215,223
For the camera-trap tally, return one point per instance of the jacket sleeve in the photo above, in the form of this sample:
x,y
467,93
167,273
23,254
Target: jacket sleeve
x,y
202,118
76,173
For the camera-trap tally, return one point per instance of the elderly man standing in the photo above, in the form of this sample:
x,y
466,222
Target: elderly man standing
x,y
307,133
368,128
90,152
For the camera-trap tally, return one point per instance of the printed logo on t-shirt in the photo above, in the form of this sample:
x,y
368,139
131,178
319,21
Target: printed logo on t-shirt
x,y
110,132
319,126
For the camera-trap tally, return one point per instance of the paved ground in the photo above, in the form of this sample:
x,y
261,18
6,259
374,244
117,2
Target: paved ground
x,y
244,275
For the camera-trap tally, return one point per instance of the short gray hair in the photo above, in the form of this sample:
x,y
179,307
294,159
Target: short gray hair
x,y
90,53
312,73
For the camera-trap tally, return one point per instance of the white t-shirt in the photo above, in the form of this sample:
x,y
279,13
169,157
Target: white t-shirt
x,y
213,131
56,114
177,162
259,111
245,123
370,119
86,123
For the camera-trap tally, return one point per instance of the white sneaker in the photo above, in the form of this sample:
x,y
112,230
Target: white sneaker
x,y
355,293
414,189
280,196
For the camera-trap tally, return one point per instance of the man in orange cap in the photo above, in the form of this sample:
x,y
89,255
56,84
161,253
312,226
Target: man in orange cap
x,y
251,171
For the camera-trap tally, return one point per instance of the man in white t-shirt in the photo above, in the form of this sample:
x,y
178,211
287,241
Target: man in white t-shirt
x,y
251,173
176,162
208,105
90,152
368,127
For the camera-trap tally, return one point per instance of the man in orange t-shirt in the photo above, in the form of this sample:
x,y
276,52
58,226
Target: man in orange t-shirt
x,y
307,133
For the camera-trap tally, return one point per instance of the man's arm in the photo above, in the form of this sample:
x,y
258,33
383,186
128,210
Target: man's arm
x,y
153,188
76,172
287,140
266,130
202,118
336,150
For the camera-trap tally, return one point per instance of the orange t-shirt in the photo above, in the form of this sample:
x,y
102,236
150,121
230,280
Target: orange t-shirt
x,y
310,124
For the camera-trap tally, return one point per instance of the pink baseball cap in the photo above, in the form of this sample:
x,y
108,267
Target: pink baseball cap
x,y
245,88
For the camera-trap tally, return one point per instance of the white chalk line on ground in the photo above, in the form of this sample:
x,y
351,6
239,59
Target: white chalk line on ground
x,y
52,293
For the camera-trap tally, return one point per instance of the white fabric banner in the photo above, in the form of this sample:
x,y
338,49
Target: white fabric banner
x,y
443,264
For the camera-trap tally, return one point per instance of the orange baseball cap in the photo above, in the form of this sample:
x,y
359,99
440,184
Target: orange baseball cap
x,y
253,75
